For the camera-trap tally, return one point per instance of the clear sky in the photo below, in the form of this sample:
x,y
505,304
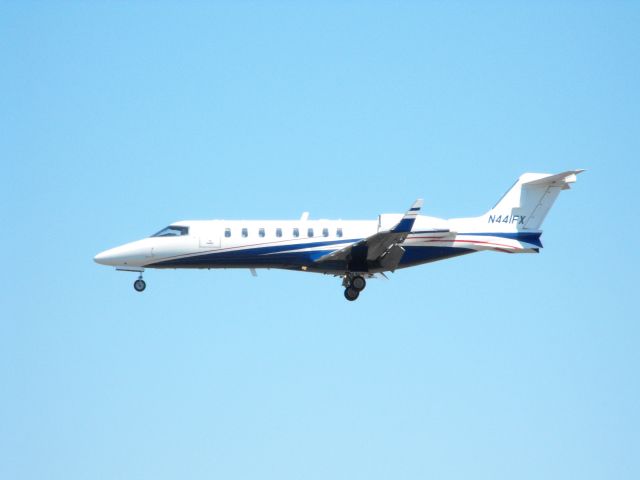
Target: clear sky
x,y
117,118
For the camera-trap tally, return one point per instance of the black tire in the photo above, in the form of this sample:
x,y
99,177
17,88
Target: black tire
x,y
139,285
351,294
358,283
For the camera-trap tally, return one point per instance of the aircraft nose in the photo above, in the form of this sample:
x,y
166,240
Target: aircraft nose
x,y
105,258
130,254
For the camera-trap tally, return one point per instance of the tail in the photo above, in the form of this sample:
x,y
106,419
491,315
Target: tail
x,y
526,204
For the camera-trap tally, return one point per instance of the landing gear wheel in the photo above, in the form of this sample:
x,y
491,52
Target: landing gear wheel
x,y
358,283
351,294
139,285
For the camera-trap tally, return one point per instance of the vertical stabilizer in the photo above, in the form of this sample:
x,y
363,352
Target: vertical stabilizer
x,y
526,204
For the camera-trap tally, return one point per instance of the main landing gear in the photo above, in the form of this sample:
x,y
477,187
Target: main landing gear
x,y
139,284
353,284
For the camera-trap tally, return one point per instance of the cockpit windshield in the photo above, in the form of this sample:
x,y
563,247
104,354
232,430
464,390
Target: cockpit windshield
x,y
172,231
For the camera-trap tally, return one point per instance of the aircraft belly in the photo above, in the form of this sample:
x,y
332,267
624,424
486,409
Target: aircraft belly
x,y
418,255
241,260
413,255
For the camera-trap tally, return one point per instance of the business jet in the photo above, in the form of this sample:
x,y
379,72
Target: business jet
x,y
354,250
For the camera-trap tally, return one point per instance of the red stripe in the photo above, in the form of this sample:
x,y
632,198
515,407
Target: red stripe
x,y
475,241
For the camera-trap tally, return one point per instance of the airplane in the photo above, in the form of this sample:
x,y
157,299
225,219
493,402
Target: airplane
x,y
354,250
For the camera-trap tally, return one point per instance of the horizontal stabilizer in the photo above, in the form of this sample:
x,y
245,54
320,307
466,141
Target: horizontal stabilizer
x,y
561,179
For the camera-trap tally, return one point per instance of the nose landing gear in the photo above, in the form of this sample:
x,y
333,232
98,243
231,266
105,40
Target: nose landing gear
x,y
353,284
139,285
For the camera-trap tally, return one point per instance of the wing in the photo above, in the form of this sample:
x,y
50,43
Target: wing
x,y
382,247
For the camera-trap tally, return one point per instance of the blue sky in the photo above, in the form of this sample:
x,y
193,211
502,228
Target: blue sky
x,y
119,118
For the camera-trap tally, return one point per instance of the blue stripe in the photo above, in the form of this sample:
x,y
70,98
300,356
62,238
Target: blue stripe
x,y
294,260
265,255
282,256
529,237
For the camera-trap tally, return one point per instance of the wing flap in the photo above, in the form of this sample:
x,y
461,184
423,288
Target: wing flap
x,y
392,257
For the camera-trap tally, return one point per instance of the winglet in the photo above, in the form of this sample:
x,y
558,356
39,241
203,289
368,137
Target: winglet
x,y
406,224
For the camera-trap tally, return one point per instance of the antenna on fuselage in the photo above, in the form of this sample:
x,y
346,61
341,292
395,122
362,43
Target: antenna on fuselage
x,y
304,216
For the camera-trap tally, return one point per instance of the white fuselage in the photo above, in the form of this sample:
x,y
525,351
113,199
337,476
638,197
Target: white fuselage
x,y
296,244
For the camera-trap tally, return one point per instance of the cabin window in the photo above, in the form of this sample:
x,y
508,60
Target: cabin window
x,y
325,232
296,232
245,233
339,232
310,232
227,232
261,232
172,231
278,232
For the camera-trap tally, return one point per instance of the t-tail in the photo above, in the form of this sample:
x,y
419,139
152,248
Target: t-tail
x,y
526,204
517,217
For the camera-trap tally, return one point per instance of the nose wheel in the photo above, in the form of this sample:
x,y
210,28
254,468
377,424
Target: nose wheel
x,y
354,285
139,285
